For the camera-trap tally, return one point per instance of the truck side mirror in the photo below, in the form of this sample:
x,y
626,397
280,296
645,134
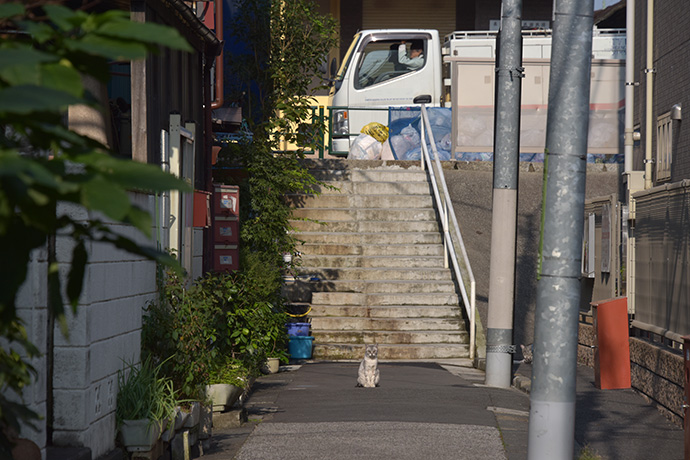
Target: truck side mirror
x,y
334,68
423,99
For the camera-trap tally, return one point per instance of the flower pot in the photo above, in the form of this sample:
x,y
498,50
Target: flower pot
x,y
271,366
194,415
223,395
140,435
300,347
170,428
298,329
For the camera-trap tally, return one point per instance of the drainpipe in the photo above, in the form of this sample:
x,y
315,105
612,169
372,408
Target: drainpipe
x,y
629,84
635,179
649,70
218,101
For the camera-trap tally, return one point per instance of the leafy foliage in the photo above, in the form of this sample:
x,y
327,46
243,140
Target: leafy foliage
x,y
143,393
178,333
46,50
275,78
193,332
279,72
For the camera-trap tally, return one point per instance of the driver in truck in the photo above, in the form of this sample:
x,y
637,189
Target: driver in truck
x,y
416,58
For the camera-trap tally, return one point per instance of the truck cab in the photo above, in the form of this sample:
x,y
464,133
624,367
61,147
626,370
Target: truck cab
x,y
376,73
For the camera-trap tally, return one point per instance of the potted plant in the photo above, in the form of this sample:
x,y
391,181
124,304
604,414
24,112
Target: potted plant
x,y
227,382
145,400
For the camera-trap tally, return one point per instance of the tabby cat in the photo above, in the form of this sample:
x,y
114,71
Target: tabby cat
x,y
368,375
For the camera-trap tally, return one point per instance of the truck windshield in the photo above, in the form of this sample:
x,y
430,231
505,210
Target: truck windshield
x,y
347,58
387,59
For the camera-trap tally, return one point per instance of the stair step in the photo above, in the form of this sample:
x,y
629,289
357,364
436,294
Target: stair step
x,y
371,175
407,239
359,273
391,188
388,311
382,299
391,337
371,214
365,227
372,261
360,201
373,249
338,323
372,188
391,351
381,286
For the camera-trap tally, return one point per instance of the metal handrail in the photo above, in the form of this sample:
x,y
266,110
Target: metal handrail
x,y
445,208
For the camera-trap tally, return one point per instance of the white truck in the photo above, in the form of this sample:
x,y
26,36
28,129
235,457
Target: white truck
x,y
460,74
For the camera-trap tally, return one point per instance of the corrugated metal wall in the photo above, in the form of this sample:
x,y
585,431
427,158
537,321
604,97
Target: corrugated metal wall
x,y
663,257
412,14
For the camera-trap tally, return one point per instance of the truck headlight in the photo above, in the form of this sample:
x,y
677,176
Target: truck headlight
x,y
341,126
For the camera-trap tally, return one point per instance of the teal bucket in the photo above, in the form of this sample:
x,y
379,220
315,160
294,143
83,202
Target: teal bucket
x,y
300,347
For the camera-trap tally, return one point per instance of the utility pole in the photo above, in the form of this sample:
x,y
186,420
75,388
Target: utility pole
x,y
552,395
509,74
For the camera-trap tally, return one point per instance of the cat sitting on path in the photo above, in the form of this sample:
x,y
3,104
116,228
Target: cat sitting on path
x,y
368,374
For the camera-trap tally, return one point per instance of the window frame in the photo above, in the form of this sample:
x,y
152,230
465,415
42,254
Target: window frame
x,y
664,147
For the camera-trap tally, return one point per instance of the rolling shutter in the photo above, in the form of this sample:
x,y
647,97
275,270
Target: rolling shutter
x,y
409,14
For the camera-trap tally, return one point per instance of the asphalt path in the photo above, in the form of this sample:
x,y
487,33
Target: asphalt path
x,y
420,410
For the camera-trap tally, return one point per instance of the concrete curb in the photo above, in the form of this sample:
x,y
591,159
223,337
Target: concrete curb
x,y
522,383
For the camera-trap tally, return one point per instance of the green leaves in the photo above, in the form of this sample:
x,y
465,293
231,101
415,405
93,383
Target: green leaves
x,y
10,10
26,99
133,175
145,33
43,163
101,195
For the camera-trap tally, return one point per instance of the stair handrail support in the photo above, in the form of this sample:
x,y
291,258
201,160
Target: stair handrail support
x,y
447,214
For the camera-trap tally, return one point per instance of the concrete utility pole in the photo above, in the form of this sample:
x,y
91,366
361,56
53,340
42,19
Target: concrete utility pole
x,y
509,74
552,395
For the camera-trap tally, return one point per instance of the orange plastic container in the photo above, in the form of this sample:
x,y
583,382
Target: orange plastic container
x,y
612,352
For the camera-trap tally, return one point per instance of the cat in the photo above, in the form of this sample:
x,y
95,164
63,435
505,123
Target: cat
x,y
368,374
527,354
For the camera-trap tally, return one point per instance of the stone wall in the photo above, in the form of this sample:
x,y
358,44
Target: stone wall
x,y
656,372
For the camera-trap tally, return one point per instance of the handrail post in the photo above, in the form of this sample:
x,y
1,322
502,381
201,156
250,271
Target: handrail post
x,y
473,320
321,125
446,235
422,137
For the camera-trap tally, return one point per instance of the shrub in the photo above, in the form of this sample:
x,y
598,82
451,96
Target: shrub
x,y
143,393
193,332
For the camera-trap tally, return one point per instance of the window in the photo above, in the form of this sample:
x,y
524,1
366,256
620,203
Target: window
x,y
380,61
664,147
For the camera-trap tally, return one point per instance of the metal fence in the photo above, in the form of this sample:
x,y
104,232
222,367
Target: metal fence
x,y
662,259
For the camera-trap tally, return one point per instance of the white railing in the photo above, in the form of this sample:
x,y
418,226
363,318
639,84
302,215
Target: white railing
x,y
449,222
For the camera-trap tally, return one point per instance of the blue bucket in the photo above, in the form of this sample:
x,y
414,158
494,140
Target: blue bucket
x,y
300,347
298,329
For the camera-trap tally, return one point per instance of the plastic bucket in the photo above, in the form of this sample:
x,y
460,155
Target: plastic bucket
x,y
298,329
300,347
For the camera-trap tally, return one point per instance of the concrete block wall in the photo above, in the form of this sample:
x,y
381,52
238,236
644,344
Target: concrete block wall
x,y
31,307
104,333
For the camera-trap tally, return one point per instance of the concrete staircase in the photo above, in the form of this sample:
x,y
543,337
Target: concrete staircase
x,y
374,265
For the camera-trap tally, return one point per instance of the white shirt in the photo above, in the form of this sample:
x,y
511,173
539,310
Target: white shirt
x,y
411,63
